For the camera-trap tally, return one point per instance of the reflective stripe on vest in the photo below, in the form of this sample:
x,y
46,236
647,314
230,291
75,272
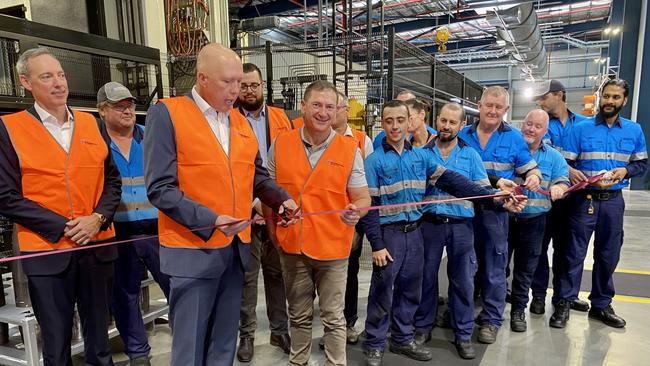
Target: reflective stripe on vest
x,y
206,175
69,184
322,237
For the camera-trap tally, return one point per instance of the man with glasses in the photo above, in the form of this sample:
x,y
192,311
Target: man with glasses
x,y
267,122
135,218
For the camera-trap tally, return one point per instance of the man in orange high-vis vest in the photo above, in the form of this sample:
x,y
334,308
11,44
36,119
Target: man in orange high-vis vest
x,y
202,170
59,184
267,122
324,171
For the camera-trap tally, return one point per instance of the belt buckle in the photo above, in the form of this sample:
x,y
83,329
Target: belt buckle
x,y
409,227
604,196
445,220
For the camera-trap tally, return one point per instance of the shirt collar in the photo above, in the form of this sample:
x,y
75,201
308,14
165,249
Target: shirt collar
x,y
503,127
388,147
249,114
138,134
204,107
348,131
601,120
459,142
329,138
45,116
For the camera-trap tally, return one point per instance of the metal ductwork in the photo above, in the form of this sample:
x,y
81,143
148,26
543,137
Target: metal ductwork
x,y
518,27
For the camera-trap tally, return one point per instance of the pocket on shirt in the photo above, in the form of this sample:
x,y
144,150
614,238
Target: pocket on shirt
x,y
626,146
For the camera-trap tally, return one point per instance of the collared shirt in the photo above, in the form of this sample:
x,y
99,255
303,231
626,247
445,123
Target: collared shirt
x,y
593,146
557,133
62,133
464,160
554,170
506,152
357,177
367,145
259,126
219,122
134,204
395,178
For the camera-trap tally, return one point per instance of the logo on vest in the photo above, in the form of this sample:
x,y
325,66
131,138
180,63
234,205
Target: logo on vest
x,y
334,163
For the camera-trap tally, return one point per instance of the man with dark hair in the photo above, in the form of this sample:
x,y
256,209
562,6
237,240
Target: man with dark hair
x,y
325,171
398,173
268,123
607,142
59,184
407,96
551,97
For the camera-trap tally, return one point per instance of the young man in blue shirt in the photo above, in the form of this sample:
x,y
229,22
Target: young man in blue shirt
x,y
551,97
505,154
527,227
617,145
398,173
450,225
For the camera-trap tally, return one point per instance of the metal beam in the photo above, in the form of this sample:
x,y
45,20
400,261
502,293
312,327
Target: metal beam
x,y
429,22
272,8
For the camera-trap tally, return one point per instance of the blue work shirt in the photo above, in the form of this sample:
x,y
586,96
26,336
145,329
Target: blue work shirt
x,y
376,143
555,170
259,128
557,133
505,154
464,160
134,204
593,146
395,179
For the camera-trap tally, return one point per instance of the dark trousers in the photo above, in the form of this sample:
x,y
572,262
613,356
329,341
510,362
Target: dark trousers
x,y
129,270
263,253
491,246
458,237
395,289
607,222
205,313
87,282
525,243
556,228
352,284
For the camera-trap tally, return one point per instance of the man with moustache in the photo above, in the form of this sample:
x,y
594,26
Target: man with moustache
x,y
551,97
202,170
505,154
268,123
59,184
135,218
450,225
325,171
617,145
526,230
398,173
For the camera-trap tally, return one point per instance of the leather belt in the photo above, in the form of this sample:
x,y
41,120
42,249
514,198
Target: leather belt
x,y
403,226
438,219
602,195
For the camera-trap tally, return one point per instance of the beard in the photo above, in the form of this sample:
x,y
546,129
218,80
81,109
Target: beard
x,y
250,106
612,113
529,140
445,138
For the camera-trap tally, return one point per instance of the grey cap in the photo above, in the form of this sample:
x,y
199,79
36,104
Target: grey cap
x,y
548,87
113,92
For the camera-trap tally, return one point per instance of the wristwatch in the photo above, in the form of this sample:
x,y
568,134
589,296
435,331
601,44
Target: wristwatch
x,y
102,218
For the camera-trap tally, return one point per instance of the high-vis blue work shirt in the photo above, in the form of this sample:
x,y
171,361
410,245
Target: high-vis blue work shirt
x,y
505,154
593,146
557,133
464,160
555,170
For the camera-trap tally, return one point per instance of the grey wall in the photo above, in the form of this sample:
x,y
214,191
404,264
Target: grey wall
x,y
70,14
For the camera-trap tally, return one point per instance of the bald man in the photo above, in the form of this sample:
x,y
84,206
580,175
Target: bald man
x,y
526,230
202,170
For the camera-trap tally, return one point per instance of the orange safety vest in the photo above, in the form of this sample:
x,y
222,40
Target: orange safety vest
x,y
360,136
278,121
69,184
206,175
322,237
298,122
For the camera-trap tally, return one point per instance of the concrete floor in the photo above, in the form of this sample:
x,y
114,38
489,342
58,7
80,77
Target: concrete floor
x,y
583,342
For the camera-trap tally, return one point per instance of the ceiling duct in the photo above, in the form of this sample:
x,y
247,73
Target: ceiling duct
x,y
518,27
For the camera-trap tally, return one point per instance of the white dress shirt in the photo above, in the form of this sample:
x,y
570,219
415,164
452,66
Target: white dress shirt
x,y
219,122
62,133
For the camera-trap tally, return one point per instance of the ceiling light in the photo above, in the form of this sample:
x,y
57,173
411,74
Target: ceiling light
x,y
528,92
607,30
616,30
597,59
603,60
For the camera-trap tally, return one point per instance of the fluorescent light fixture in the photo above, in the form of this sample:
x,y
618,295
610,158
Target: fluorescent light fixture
x,y
616,30
528,92
607,30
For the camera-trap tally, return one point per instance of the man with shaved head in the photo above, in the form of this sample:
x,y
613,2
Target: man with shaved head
x,y
526,231
202,170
